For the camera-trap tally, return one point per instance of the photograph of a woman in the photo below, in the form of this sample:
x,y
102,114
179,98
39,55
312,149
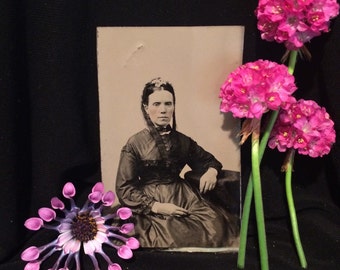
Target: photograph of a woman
x,y
168,211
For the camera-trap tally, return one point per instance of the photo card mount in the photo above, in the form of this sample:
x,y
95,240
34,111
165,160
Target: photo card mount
x,y
195,59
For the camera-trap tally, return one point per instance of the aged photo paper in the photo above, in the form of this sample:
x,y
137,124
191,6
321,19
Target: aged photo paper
x,y
195,60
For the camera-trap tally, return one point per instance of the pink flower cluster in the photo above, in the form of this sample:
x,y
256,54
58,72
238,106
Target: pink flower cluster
x,y
256,87
304,126
294,22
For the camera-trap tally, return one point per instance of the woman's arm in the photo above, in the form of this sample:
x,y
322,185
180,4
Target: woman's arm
x,y
127,184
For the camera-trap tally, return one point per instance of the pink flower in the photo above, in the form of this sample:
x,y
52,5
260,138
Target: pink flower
x,y
294,22
304,126
86,227
256,87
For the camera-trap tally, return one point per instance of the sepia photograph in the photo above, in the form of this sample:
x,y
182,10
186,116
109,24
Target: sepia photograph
x,y
167,151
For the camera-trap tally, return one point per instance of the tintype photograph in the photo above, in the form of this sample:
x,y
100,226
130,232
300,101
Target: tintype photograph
x,y
166,149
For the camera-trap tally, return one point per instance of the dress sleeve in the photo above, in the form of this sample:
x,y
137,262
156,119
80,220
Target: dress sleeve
x,y
127,183
201,160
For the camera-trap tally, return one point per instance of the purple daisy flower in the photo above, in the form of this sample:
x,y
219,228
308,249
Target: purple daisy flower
x,y
81,227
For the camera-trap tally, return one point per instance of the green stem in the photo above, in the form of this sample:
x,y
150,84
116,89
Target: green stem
x,y
292,61
249,194
249,191
292,212
261,231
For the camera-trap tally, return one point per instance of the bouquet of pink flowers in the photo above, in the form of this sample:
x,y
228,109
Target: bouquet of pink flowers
x,y
262,86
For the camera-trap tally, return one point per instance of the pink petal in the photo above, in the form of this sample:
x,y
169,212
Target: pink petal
x,y
57,204
32,266
124,213
126,228
114,266
34,223
108,198
125,252
30,254
99,186
69,190
132,243
95,196
46,214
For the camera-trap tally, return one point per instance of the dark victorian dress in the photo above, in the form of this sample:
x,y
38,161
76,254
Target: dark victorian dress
x,y
149,173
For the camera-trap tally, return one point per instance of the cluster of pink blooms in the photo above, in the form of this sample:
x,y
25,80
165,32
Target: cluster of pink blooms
x,y
304,126
256,87
294,22
78,228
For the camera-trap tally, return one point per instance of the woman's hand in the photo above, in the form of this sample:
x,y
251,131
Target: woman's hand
x,y
208,180
169,209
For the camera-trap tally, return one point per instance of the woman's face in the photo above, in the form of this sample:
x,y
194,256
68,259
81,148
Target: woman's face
x,y
161,107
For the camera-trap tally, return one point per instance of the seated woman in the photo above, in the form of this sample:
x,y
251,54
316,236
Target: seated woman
x,y
169,212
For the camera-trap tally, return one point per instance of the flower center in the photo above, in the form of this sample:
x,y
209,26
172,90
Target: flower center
x,y
84,227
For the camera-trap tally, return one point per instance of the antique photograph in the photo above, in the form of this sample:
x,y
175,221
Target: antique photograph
x,y
167,151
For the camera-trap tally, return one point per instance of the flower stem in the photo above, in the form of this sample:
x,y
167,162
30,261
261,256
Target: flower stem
x,y
249,194
292,61
291,207
249,191
261,231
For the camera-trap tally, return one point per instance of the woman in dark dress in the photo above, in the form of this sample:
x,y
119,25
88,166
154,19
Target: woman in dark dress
x,y
169,212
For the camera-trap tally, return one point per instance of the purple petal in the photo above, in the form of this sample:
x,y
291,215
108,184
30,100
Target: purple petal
x,y
126,228
108,198
32,266
125,252
34,223
69,190
57,204
46,214
114,266
99,186
30,254
124,213
132,243
95,196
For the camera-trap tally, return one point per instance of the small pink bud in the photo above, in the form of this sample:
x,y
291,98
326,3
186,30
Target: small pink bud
x,y
30,254
127,228
124,213
34,223
46,214
69,190
99,186
95,196
108,198
125,252
132,243
56,203
32,266
114,266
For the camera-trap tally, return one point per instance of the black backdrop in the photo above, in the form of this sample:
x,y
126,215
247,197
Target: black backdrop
x,y
49,124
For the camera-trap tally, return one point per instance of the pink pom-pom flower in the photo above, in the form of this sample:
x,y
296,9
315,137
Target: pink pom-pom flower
x,y
304,126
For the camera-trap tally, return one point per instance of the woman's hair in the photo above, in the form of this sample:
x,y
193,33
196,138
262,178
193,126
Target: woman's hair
x,y
156,84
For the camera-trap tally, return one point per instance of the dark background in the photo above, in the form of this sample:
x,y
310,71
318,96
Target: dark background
x,y
49,125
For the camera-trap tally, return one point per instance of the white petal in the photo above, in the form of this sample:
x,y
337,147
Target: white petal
x,y
64,237
72,246
101,237
89,247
